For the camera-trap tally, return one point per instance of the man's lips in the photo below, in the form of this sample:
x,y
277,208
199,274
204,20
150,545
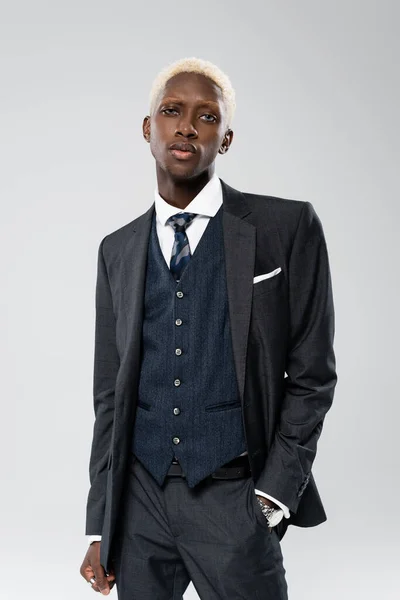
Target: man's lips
x,y
181,154
182,151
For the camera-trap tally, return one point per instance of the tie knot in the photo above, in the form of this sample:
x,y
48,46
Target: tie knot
x,y
181,220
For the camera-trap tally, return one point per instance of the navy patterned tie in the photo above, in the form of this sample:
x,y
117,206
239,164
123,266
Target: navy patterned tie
x,y
180,251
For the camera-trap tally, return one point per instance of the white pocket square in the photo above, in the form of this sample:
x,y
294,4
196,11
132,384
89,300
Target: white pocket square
x,y
267,275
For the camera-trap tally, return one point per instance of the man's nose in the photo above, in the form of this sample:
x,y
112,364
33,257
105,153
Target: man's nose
x,y
186,128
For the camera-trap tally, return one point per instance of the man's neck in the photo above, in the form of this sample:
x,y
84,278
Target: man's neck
x,y
180,193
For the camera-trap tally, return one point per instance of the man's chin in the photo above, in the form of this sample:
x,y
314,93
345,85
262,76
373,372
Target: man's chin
x,y
181,173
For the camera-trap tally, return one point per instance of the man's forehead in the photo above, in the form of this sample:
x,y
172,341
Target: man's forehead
x,y
201,101
175,91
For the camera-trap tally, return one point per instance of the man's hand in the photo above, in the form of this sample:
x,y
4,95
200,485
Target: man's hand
x,y
268,502
91,567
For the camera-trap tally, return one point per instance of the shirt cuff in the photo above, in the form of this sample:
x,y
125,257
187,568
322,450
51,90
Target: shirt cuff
x,y
93,538
286,512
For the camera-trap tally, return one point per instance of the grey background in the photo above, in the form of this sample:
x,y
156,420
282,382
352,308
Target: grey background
x,y
317,119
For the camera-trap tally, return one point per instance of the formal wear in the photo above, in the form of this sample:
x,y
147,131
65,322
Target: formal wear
x,y
206,204
194,367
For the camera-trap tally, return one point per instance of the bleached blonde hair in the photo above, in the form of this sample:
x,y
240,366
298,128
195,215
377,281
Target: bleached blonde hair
x,y
195,65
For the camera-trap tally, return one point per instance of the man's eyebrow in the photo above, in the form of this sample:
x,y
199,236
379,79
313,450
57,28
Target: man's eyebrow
x,y
209,103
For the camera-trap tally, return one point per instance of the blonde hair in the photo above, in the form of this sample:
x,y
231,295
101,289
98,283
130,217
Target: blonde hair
x,y
196,65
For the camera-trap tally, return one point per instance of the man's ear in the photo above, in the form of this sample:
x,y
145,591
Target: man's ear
x,y
146,128
226,142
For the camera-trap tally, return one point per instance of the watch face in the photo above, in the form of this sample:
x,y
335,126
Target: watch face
x,y
275,518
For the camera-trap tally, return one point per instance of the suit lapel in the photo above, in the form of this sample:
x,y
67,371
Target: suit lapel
x,y
133,290
240,250
239,245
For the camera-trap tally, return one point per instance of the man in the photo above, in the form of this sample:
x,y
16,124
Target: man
x,y
214,368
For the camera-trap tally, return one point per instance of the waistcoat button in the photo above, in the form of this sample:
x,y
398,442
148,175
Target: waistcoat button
x,y
177,382
177,411
179,294
178,322
178,351
176,440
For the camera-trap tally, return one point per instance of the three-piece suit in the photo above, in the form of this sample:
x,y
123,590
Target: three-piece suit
x,y
234,359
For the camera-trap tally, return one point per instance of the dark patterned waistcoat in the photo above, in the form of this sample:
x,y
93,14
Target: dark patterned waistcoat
x,y
188,403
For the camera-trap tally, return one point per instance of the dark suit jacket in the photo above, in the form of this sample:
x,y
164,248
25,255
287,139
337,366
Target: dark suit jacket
x,y
281,325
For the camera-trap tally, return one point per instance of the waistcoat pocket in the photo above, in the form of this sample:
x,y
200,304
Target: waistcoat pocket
x,y
144,405
223,406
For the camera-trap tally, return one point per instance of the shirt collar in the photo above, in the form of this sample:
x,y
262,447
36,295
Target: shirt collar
x,y
207,202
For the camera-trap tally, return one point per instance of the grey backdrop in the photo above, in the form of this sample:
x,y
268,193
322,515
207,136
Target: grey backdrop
x,y
317,119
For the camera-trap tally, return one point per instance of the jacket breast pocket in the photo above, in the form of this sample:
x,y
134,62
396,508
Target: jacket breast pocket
x,y
267,285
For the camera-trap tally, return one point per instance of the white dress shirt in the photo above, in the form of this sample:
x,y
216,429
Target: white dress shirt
x,y
205,205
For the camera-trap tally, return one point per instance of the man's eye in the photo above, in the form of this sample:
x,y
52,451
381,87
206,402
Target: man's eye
x,y
166,109
212,118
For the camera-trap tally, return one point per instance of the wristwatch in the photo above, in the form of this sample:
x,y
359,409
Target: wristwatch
x,y
273,515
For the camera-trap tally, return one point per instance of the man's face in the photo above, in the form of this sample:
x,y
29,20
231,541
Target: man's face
x,y
190,110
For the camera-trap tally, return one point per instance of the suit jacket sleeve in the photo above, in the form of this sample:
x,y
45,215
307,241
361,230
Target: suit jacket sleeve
x,y
310,366
106,365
